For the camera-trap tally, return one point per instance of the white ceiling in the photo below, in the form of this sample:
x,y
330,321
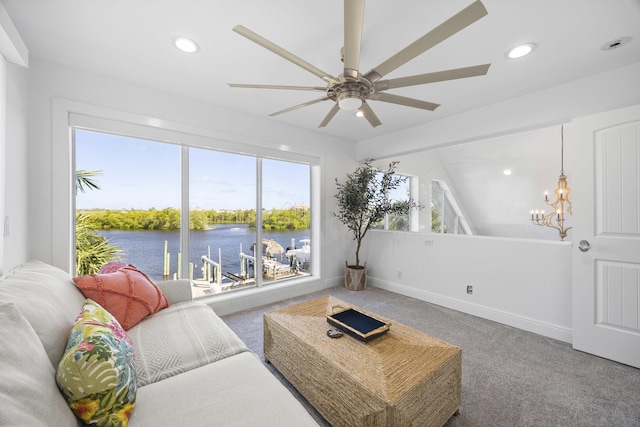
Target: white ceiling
x,y
131,40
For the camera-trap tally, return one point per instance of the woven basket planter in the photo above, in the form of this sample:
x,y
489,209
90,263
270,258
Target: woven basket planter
x,y
355,277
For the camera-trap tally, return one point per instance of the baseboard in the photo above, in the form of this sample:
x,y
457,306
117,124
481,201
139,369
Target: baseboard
x,y
527,324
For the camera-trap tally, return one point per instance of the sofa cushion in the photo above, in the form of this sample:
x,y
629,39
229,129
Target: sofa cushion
x,y
28,390
176,290
127,293
47,297
238,391
96,374
180,338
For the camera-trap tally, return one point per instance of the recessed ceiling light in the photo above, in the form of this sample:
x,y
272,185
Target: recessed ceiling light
x,y
614,44
186,45
507,172
520,50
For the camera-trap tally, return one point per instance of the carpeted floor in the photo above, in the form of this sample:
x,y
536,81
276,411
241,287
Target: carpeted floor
x,y
509,377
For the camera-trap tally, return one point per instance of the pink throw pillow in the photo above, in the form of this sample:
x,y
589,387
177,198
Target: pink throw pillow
x,y
111,267
128,294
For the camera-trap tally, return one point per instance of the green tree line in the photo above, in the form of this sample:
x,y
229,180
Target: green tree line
x,y
169,219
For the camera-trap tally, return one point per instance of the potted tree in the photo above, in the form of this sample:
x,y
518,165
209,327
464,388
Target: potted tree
x,y
363,202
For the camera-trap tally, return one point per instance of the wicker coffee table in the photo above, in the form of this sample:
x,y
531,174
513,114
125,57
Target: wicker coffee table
x,y
402,378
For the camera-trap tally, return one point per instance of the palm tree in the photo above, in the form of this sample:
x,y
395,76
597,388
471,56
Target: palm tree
x,y
84,180
92,250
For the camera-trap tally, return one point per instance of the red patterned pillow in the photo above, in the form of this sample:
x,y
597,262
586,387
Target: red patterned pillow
x,y
128,294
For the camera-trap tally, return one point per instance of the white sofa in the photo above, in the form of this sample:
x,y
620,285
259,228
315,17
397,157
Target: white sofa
x,y
191,368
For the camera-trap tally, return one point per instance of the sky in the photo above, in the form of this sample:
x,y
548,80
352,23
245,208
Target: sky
x,y
142,174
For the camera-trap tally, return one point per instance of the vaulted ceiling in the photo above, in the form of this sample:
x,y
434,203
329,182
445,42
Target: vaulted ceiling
x,y
132,40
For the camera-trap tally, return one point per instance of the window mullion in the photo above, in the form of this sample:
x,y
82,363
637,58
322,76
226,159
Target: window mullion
x,y
185,210
258,247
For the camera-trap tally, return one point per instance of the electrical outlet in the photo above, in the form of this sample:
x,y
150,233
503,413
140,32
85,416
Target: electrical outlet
x,y
399,274
6,226
469,289
428,242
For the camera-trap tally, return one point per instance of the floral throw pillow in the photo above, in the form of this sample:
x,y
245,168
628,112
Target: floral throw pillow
x,y
96,374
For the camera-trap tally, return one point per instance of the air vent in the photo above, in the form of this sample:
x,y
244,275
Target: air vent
x,y
614,44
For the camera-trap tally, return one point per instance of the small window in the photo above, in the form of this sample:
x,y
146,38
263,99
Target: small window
x,y
446,216
395,222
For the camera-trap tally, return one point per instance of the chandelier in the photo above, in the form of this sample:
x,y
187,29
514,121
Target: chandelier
x,y
562,204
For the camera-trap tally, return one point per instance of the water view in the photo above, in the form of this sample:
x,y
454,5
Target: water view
x,y
132,201
145,248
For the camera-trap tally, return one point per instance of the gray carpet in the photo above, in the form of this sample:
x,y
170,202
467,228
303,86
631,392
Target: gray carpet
x,y
509,377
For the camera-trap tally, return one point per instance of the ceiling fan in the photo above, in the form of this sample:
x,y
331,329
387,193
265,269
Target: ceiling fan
x,y
351,90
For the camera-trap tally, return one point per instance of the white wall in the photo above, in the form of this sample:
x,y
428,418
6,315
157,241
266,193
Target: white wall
x,y
3,157
16,168
13,144
53,85
522,283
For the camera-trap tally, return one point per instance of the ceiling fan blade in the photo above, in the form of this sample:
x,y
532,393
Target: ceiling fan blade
x,y
451,26
439,76
246,86
353,20
402,100
295,107
370,115
258,39
334,110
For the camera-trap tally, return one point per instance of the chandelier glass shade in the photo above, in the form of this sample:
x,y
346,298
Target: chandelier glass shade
x,y
560,206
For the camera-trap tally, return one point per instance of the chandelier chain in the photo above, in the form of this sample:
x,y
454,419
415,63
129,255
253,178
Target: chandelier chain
x,y
562,149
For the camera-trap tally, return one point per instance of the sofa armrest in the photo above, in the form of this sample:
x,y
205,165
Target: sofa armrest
x,y
176,290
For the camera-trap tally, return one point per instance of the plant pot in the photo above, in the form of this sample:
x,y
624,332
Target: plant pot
x,y
355,278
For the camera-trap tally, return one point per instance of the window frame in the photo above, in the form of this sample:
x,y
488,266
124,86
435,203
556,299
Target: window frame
x,y
448,196
414,220
69,115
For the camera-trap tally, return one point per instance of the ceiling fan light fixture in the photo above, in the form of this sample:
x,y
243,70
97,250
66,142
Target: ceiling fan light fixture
x,y
359,113
186,44
520,50
349,100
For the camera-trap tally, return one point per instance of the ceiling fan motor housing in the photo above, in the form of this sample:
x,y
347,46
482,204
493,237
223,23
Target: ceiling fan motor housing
x,y
350,93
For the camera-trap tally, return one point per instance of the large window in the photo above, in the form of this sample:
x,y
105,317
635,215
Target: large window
x,y
178,211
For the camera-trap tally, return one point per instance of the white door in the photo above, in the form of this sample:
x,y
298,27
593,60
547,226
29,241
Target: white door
x,y
606,235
